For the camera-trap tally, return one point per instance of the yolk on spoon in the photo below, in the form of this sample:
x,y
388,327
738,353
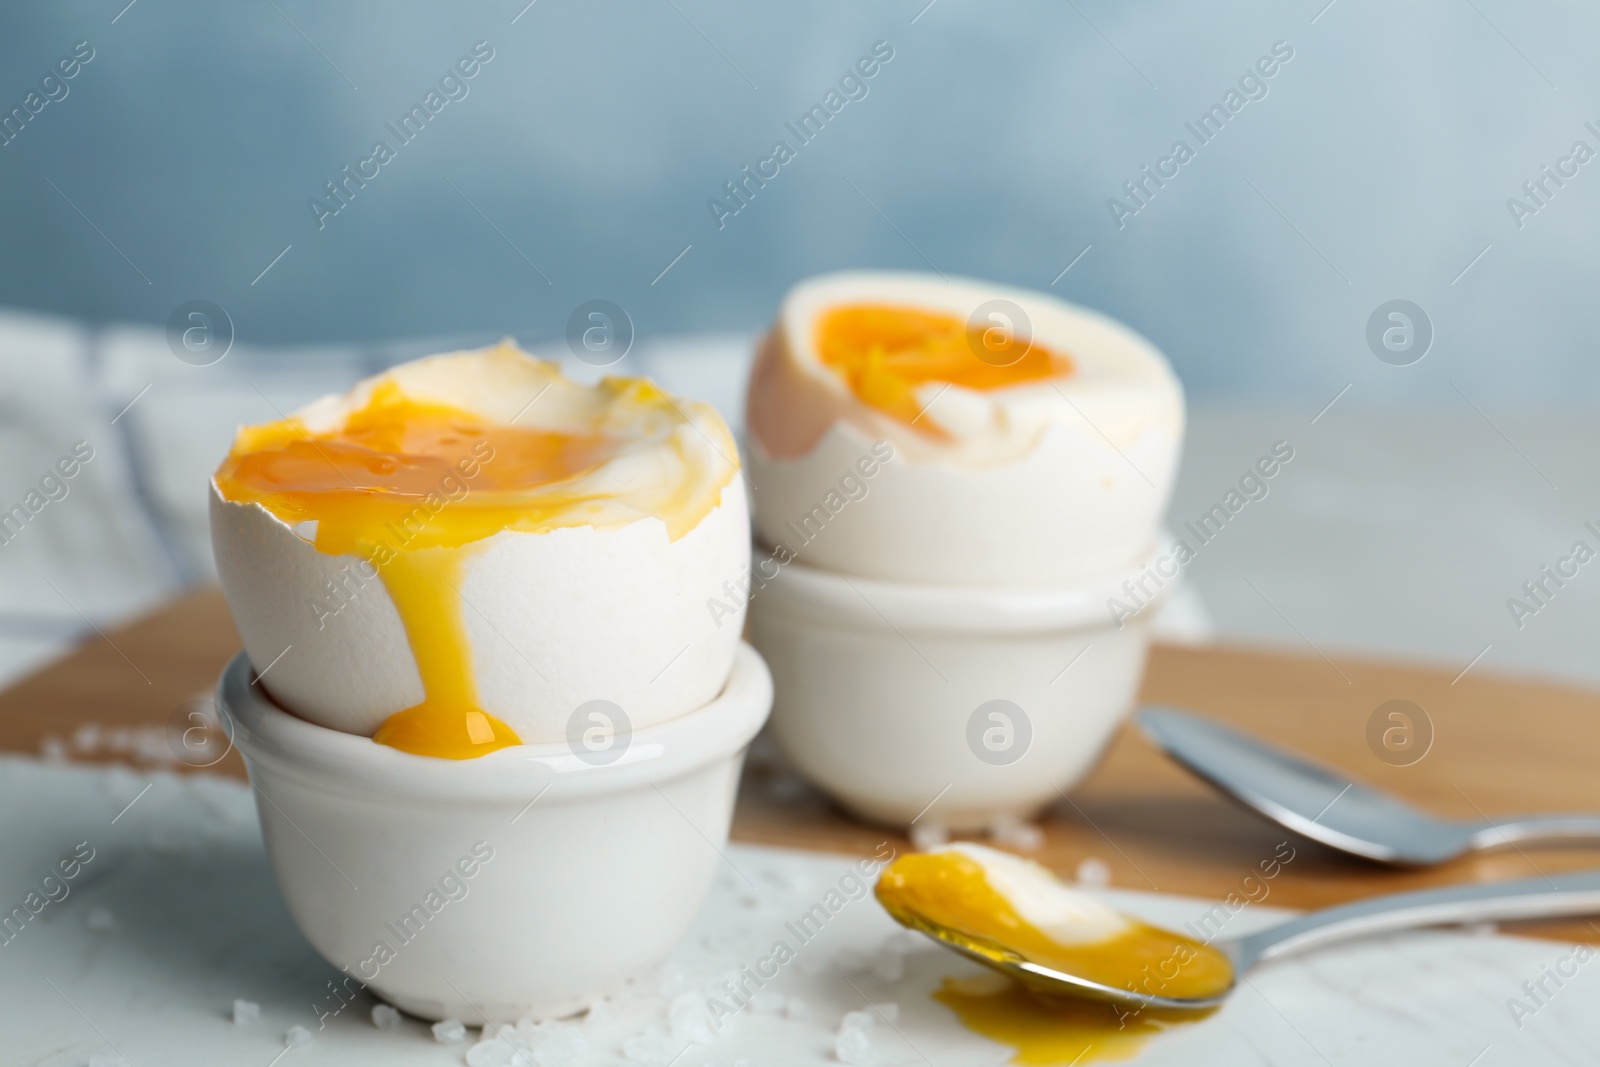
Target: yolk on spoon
x,y
886,352
411,487
950,893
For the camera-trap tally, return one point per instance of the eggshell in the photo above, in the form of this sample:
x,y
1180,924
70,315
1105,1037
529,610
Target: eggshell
x,y
553,619
1044,482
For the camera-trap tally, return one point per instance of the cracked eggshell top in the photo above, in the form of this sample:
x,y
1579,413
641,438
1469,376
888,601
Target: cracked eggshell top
x,y
599,595
1050,479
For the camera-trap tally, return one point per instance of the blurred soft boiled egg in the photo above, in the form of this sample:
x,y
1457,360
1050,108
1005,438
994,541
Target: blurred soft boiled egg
x,y
913,428
461,553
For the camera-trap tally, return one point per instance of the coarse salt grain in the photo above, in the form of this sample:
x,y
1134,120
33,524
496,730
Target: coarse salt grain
x,y
86,738
496,1053
689,1020
928,836
559,1045
385,1017
1012,831
297,1037
245,1011
449,1031
852,1045
1094,873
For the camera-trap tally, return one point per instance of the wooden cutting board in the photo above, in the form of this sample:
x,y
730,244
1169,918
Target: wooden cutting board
x,y
1500,746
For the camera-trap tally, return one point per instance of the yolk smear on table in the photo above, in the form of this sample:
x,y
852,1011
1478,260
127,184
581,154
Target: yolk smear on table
x,y
946,893
1043,1030
412,487
885,353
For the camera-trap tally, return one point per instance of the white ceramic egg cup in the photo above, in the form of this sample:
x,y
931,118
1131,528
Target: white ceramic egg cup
x,y
528,882
958,706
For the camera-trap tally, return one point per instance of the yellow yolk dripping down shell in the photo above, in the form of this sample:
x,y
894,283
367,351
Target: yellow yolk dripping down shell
x,y
884,353
948,891
413,486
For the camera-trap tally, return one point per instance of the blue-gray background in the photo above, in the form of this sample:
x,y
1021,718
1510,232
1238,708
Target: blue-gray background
x,y
1377,167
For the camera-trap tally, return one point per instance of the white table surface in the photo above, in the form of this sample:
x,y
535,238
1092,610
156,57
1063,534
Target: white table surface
x,y
198,923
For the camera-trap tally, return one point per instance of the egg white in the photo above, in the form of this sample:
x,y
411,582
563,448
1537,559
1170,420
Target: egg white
x,y
1065,915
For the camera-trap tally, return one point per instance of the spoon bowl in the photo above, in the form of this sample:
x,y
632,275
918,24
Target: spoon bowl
x,y
1332,808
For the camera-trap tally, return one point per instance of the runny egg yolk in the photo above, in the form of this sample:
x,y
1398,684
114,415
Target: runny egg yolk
x,y
885,353
412,486
949,892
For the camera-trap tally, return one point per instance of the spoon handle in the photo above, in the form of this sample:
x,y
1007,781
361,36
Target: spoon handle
x,y
1536,828
1533,898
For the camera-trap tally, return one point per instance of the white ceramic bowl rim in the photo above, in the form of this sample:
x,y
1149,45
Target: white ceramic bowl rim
x,y
926,608
354,764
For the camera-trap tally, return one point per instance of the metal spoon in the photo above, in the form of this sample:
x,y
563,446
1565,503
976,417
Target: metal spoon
x,y
1329,807
1534,898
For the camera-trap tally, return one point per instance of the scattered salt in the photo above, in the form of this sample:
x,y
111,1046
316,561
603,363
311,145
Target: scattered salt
x,y
689,1020
52,749
1012,831
101,921
496,1053
86,738
245,1011
797,1009
602,1013
856,1020
449,1031
928,836
1094,873
560,1045
385,1017
297,1037
852,1045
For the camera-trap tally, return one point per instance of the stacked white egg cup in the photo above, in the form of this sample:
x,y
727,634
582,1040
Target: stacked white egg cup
x,y
957,621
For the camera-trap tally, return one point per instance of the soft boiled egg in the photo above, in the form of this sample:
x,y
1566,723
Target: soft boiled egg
x,y
464,552
1029,441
